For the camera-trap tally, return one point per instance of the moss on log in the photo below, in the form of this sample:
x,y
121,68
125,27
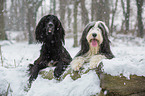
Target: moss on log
x,y
48,74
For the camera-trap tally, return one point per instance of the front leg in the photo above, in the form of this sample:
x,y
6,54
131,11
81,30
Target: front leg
x,y
77,63
60,68
34,69
95,60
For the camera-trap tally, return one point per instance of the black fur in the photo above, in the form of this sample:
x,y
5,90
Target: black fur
x,y
50,33
104,47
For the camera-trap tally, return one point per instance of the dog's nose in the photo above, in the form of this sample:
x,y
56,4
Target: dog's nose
x,y
94,34
50,24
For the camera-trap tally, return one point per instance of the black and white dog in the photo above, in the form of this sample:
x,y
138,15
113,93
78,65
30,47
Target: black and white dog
x,y
50,33
94,46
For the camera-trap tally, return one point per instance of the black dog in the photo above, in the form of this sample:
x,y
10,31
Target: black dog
x,y
50,33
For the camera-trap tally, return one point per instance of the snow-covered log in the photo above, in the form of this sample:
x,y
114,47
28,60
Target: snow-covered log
x,y
121,86
129,80
112,84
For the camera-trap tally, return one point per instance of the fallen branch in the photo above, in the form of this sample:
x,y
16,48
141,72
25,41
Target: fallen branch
x,y
8,89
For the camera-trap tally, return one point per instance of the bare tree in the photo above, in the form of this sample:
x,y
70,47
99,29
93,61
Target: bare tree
x,y
2,23
103,11
22,15
84,13
139,4
75,13
69,11
62,10
54,7
93,11
32,8
113,15
126,14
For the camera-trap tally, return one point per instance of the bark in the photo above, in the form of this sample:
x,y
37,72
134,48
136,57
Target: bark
x,y
84,13
139,4
62,10
31,25
69,15
54,7
31,18
93,12
103,11
113,15
75,35
2,23
126,15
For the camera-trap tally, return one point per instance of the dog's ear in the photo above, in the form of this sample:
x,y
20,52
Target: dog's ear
x,y
105,46
60,29
40,29
104,30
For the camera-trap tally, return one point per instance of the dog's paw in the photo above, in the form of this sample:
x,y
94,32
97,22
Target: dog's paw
x,y
95,60
77,63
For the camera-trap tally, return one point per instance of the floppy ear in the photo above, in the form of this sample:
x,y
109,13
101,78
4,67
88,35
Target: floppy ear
x,y
40,29
83,41
61,31
59,28
105,46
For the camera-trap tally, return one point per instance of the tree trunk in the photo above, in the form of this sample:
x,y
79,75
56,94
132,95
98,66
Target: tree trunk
x,y
31,18
31,25
93,12
69,15
84,13
54,7
106,12
22,15
113,15
103,11
62,10
139,4
99,15
50,12
2,23
127,17
75,35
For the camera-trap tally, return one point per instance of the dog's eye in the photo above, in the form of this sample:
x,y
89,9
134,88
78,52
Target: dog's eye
x,y
48,19
54,20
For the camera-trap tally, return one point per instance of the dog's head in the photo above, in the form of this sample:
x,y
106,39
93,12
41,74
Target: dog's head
x,y
49,27
95,36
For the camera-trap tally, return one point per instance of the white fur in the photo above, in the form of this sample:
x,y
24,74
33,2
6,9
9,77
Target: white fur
x,y
98,22
77,63
95,60
98,37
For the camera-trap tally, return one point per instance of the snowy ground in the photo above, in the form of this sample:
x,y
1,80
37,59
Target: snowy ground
x,y
129,59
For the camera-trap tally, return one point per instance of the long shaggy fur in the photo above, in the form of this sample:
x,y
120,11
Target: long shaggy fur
x,y
104,48
50,33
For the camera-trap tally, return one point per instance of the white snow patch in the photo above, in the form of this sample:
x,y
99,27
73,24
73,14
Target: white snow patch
x,y
87,85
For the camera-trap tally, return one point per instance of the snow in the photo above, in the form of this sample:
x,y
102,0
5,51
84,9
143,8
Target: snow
x,y
85,86
129,59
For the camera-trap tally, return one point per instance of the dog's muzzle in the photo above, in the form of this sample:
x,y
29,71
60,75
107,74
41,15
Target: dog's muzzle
x,y
50,28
